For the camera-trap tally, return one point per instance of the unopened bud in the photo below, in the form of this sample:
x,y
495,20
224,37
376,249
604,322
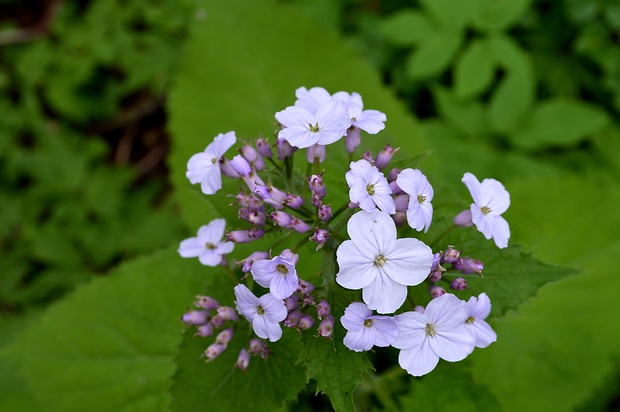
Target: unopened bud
x,y
317,199
436,291
206,302
325,212
399,218
291,302
393,174
304,286
459,284
463,218
260,348
294,201
317,185
305,323
284,149
326,327
316,151
450,255
299,225
368,157
224,336
281,219
396,190
205,330
241,166
353,138
401,202
227,169
292,319
213,351
195,317
323,309
385,156
320,236
227,313
467,266
249,261
243,360
263,147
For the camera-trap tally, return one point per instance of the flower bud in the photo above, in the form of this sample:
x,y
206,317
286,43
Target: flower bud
x,y
281,219
322,309
256,233
317,199
227,313
294,201
290,256
284,149
436,291
307,300
385,156
317,185
224,336
195,317
243,360
368,157
206,302
256,218
320,236
227,169
353,138
247,262
299,225
419,309
401,202
263,147
239,236
393,174
463,218
399,218
292,319
304,287
316,151
467,266
305,323
396,190
326,327
325,212
260,348
435,275
451,255
205,330
292,302
217,321
213,351
241,166
459,284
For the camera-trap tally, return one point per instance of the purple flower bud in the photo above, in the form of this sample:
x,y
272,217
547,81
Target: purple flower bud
x,y
281,219
205,330
249,153
353,138
256,233
227,169
317,185
306,322
239,236
257,218
241,166
463,218
227,313
459,284
401,202
217,321
396,190
435,275
316,151
325,213
294,201
243,360
317,199
292,302
320,236
368,157
467,266
292,319
284,149
451,255
399,218
213,351
290,256
195,317
304,287
393,174
436,261
326,327
322,309
206,302
299,225
385,156
246,200
224,336
436,291
260,348
263,147
419,309
247,262
307,300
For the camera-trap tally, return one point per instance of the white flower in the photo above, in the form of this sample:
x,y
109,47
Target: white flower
x,y
490,200
204,167
207,246
312,99
265,313
420,209
439,332
369,188
478,309
378,263
370,121
365,330
277,274
304,129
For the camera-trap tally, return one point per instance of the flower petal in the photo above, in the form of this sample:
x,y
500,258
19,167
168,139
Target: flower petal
x,y
221,144
453,345
211,181
355,315
409,263
373,233
384,295
419,360
411,330
191,247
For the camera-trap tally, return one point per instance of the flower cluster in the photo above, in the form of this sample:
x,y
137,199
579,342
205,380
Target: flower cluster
x,y
271,286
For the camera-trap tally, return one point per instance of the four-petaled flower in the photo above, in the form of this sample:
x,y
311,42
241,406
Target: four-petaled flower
x,y
277,274
438,332
477,310
491,199
365,330
420,209
369,188
370,121
265,313
204,167
378,263
207,246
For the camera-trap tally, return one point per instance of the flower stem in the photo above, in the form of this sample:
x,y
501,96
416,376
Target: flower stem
x,y
442,235
277,166
300,244
230,274
279,241
317,166
340,210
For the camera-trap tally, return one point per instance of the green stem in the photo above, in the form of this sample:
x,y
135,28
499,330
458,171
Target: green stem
x,y
277,166
230,274
442,235
317,166
339,211
300,244
279,241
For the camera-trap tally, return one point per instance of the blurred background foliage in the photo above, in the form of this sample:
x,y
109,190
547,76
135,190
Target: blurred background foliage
x,y
526,91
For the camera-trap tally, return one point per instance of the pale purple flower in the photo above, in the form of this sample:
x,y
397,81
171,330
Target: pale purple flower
x,y
369,188
207,246
478,309
370,121
265,313
420,209
491,199
304,129
312,99
365,330
438,332
204,168
277,274
378,263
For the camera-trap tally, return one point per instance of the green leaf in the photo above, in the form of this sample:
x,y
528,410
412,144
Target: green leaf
x,y
406,27
498,15
219,386
434,54
111,344
468,117
449,13
514,96
560,122
337,369
475,70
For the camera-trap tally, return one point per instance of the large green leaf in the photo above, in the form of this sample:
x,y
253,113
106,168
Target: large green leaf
x,y
111,344
434,54
406,27
450,14
498,14
475,69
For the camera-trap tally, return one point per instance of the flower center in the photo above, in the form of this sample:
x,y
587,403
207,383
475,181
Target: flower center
x,y
421,199
470,319
368,323
485,210
315,128
430,330
282,269
210,246
214,160
260,310
380,261
370,189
